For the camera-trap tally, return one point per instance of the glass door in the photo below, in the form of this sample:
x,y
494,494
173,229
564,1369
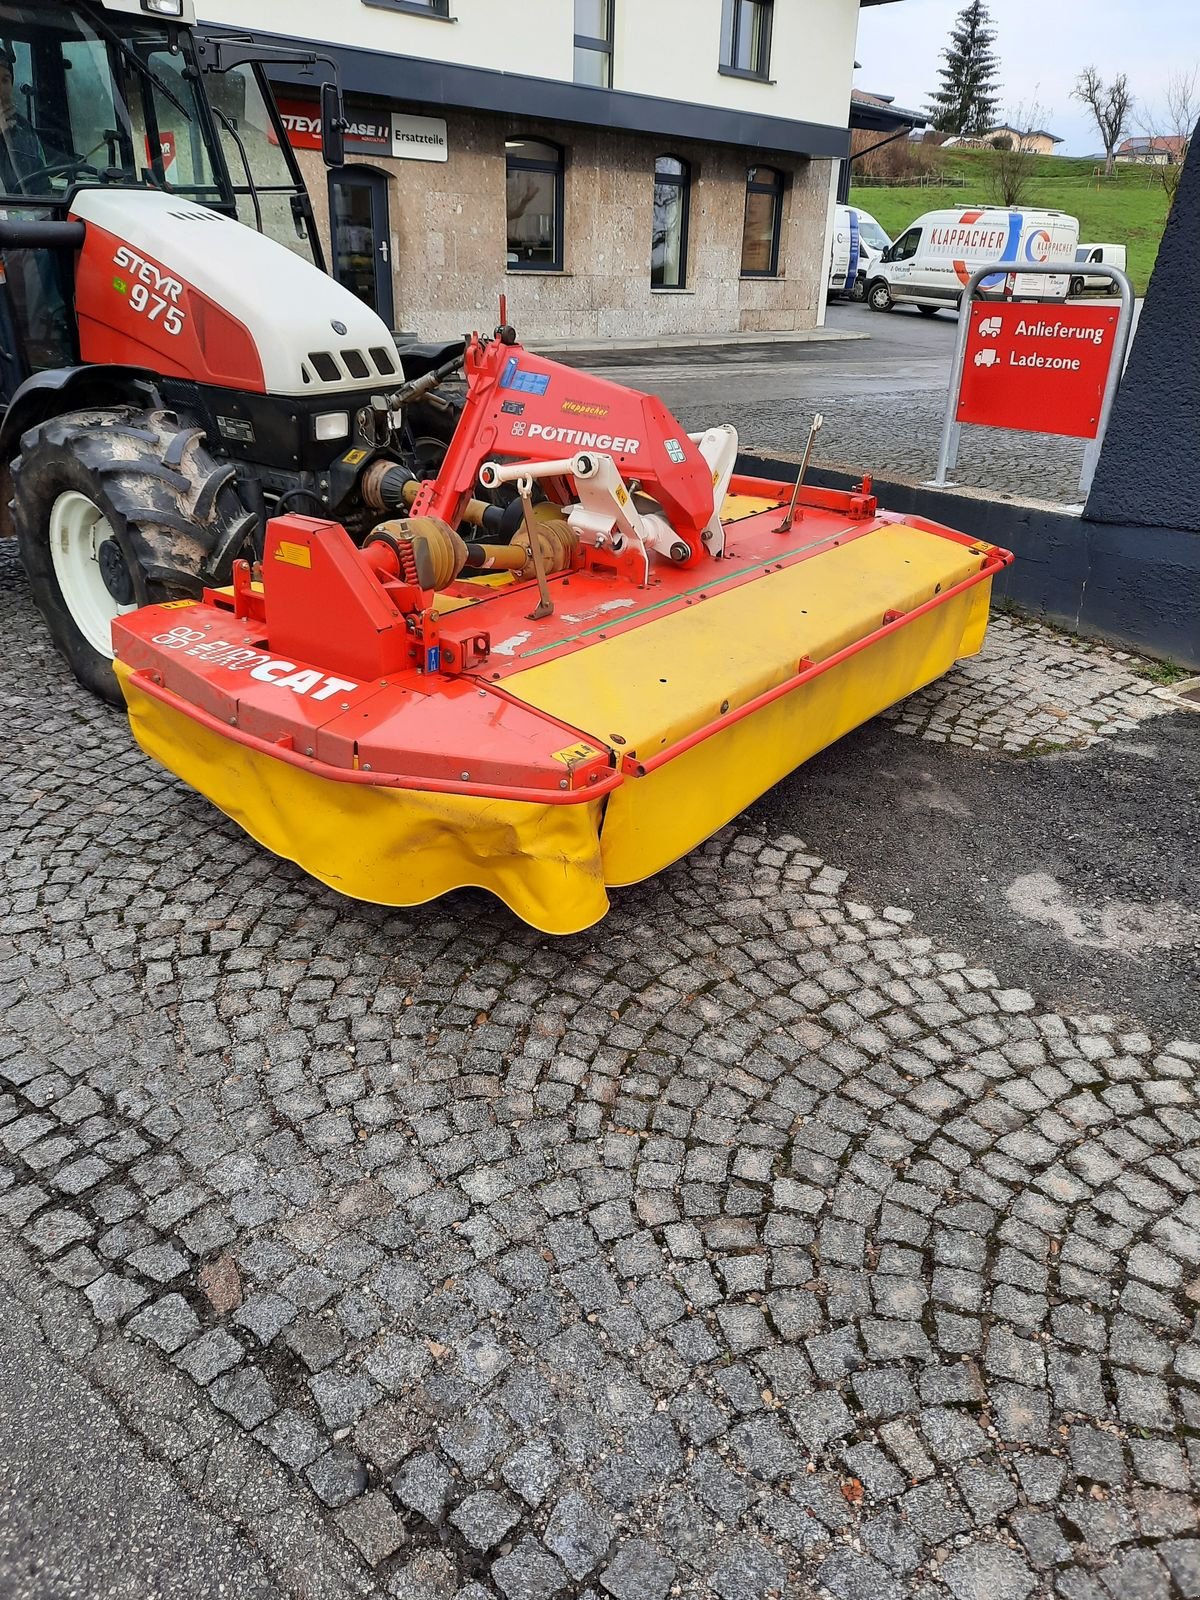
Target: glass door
x,y
359,224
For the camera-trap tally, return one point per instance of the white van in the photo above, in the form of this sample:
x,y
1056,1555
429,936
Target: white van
x,y
1112,255
858,243
931,262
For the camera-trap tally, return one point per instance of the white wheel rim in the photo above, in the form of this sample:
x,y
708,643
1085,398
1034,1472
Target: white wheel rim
x,y
78,528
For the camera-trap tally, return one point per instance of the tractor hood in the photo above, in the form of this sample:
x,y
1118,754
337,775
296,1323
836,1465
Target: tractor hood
x,y
169,285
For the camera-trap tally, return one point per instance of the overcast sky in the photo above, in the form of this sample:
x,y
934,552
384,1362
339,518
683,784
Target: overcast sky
x,y
1042,45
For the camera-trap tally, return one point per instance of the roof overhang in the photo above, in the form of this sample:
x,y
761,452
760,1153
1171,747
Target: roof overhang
x,y
441,84
884,118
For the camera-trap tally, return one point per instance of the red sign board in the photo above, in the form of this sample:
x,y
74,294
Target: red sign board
x,y
1039,368
368,131
166,143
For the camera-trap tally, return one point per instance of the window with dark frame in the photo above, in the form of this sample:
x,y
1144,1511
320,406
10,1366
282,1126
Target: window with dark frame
x,y
594,43
672,208
535,205
764,219
905,248
746,38
426,8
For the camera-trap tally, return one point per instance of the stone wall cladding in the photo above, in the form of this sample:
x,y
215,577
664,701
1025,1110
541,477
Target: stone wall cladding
x,y
449,232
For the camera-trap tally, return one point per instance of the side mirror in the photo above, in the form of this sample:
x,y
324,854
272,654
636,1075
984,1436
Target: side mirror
x,y
333,126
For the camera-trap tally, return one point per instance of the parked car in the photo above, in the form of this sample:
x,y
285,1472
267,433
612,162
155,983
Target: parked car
x,y
1112,255
932,261
858,242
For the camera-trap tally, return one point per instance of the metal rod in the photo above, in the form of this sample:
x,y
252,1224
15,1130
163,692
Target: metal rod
x,y
818,422
494,473
545,605
1116,371
948,448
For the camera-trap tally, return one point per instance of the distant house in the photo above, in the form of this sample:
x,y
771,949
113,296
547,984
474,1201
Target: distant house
x,y
1036,140
1154,151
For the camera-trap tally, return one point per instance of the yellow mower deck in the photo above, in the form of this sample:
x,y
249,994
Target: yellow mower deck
x,y
699,700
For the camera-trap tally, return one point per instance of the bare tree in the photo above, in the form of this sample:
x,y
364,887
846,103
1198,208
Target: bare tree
x,y
1111,105
1172,127
1015,159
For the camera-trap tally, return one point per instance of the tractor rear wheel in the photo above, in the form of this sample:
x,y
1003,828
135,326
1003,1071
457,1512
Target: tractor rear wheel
x,y
114,509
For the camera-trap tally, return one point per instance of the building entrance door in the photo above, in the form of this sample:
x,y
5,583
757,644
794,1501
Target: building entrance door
x,y
361,236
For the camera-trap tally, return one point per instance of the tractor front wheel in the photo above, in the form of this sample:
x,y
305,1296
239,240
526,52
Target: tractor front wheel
x,y
114,509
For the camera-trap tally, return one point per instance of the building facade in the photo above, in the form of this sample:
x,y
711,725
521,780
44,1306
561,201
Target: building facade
x,y
1036,140
1164,150
617,168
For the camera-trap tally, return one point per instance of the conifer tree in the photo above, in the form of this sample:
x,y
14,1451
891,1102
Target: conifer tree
x,y
965,100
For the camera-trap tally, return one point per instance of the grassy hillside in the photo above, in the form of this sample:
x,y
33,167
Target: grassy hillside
x,y
1129,208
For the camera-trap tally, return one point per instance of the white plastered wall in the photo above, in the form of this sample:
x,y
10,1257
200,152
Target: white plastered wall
x,y
670,49
535,37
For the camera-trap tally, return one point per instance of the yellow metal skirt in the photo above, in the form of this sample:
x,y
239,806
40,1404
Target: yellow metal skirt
x,y
392,847
551,864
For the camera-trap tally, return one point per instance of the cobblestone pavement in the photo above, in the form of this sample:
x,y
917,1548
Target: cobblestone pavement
x,y
1033,691
752,1244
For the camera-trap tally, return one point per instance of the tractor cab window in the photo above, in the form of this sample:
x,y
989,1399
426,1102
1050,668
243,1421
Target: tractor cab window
x,y
167,123
265,188
91,97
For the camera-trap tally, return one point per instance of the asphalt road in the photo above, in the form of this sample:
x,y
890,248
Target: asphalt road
x,y
85,1512
1072,873
883,399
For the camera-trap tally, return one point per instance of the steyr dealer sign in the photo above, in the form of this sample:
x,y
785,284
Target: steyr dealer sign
x,y
1038,368
399,135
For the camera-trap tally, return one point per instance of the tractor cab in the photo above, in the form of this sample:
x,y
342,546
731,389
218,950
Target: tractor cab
x,y
120,96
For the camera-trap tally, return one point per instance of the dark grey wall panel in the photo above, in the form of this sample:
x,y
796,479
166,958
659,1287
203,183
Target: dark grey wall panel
x,y
1146,473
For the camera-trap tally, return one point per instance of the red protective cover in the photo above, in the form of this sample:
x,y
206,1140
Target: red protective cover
x,y
134,311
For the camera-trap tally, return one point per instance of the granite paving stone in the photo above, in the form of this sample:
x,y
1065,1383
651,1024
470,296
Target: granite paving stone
x,y
638,1571
987,1572
483,1518
755,1244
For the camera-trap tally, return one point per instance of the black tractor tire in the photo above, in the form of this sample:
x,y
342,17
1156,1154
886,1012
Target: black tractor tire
x,y
879,296
175,515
